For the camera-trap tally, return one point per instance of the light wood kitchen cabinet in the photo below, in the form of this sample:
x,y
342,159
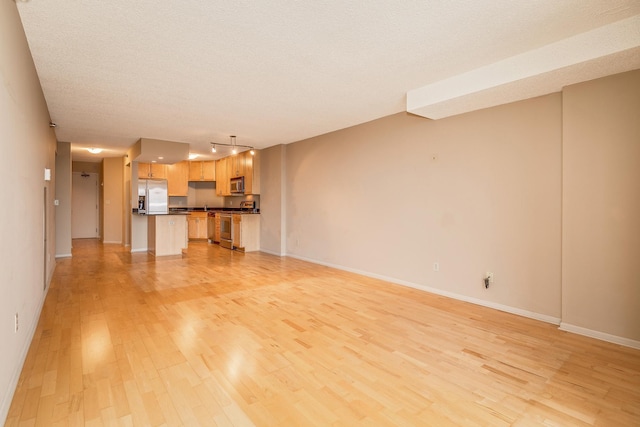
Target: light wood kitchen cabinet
x,y
222,177
197,223
165,234
216,233
178,179
152,170
252,173
246,232
243,164
237,164
202,170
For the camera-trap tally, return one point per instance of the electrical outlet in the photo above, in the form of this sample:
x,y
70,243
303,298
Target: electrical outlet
x,y
15,327
436,266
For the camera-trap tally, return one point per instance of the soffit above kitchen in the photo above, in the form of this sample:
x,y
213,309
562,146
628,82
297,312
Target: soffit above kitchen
x,y
157,151
281,71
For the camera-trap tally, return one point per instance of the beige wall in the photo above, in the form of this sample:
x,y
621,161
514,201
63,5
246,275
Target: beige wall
x,y
544,193
601,206
27,145
475,193
88,167
63,195
272,198
112,200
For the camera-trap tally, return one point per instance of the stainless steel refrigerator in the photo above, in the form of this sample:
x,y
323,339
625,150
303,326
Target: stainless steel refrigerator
x,y
153,196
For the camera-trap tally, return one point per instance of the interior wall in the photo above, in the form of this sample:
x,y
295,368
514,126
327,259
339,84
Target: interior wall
x,y
63,196
272,209
88,167
28,148
474,193
138,228
113,198
126,202
601,206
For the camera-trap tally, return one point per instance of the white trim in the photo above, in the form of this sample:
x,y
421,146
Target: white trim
x,y
272,252
139,250
108,242
572,55
599,335
63,256
506,308
13,384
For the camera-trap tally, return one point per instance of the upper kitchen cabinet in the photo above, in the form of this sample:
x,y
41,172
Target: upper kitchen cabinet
x,y
202,170
152,170
222,177
238,164
178,179
252,173
242,164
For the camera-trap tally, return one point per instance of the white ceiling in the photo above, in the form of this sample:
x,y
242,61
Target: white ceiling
x,y
279,71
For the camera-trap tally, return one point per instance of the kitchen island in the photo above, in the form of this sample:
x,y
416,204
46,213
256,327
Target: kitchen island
x,y
167,234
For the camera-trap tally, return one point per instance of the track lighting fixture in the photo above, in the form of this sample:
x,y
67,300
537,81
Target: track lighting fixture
x,y
232,144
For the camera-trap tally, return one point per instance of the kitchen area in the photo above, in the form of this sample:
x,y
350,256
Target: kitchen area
x,y
210,201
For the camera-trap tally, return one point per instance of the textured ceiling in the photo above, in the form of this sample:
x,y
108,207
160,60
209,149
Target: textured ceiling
x,y
280,71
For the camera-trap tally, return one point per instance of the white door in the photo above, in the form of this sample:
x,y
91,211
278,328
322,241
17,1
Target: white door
x,y
84,205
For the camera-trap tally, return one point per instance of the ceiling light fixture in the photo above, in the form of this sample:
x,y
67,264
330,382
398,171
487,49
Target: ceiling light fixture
x,y
94,150
193,156
52,125
233,145
234,148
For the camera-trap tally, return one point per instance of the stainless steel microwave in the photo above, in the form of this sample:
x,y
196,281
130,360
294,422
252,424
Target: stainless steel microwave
x,y
237,185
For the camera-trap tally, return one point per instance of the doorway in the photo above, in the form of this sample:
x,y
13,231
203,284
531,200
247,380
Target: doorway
x,y
84,205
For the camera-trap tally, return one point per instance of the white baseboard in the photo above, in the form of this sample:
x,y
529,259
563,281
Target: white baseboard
x,y
109,242
8,397
271,252
496,306
63,256
600,335
139,250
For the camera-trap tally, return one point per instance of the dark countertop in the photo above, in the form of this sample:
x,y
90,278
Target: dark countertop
x,y
187,210
135,212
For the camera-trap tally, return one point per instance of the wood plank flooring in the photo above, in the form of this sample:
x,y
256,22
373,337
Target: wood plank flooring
x,y
220,338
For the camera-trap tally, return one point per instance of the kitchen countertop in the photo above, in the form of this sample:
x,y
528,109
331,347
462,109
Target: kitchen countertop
x,y
135,212
187,211
182,210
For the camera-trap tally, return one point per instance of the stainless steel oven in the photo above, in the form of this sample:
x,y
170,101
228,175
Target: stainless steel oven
x,y
226,233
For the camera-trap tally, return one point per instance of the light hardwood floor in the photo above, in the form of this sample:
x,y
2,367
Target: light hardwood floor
x,y
223,338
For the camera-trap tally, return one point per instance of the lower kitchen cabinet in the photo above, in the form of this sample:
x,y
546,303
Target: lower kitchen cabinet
x,y
165,234
216,233
246,232
197,225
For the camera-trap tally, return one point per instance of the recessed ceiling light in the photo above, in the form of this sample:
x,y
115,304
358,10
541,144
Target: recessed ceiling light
x,y
193,156
94,150
160,158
